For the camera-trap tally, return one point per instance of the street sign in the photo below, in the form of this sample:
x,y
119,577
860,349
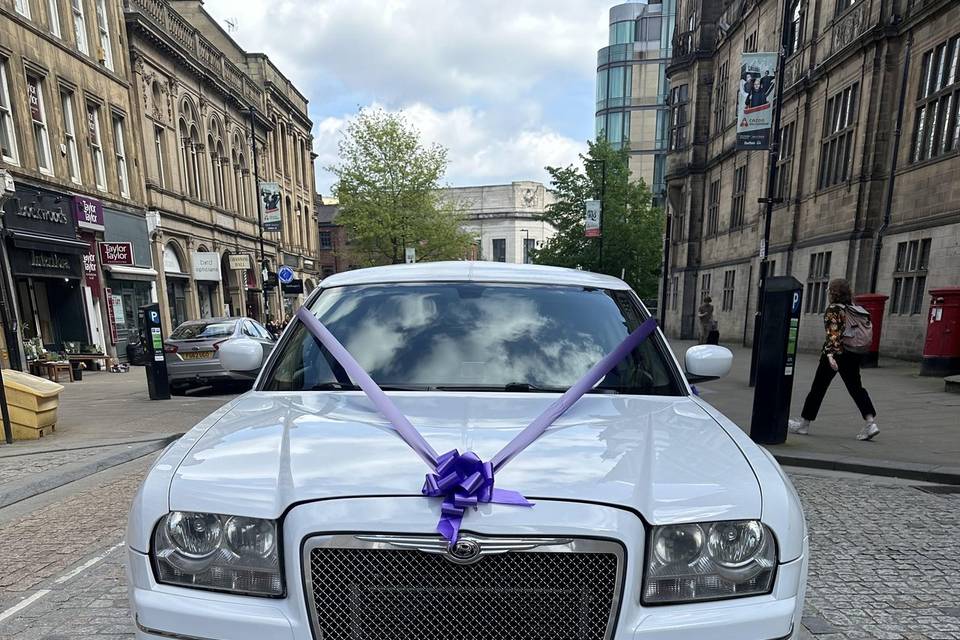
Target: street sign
x,y
410,255
239,261
592,218
285,274
292,288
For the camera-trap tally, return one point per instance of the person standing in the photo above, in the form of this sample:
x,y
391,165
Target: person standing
x,y
705,315
834,359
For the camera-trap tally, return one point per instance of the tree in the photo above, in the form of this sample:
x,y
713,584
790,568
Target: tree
x,y
387,184
632,226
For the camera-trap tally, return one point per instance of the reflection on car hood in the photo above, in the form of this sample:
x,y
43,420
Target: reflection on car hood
x,y
661,456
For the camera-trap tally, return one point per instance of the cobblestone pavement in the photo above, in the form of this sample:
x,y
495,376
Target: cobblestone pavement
x,y
884,565
22,467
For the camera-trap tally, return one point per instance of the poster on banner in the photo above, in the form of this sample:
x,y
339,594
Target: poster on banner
x,y
270,202
591,222
755,100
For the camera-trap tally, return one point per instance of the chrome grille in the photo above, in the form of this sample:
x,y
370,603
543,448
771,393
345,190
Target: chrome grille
x,y
359,589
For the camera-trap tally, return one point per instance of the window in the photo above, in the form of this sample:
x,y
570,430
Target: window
x,y
818,280
564,329
936,128
79,26
529,244
784,176
679,99
622,32
836,149
96,146
121,154
298,159
843,5
53,9
22,7
750,43
704,287
910,277
499,250
739,196
70,136
795,28
674,288
38,116
771,268
105,54
8,135
729,279
720,105
159,148
713,208
326,240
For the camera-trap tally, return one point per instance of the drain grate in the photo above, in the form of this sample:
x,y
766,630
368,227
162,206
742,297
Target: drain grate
x,y
940,489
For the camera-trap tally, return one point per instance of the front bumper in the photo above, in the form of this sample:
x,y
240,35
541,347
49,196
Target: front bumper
x,y
163,611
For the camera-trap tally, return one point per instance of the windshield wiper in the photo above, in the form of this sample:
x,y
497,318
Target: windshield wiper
x,y
339,386
513,387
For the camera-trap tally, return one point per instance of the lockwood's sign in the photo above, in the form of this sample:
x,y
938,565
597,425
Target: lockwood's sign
x,y
40,211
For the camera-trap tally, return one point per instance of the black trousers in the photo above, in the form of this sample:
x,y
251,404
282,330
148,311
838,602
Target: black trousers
x,y
848,366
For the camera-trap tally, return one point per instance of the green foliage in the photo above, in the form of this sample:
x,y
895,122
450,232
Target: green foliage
x,y
387,183
632,226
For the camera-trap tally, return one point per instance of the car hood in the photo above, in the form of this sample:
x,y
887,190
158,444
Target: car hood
x,y
663,457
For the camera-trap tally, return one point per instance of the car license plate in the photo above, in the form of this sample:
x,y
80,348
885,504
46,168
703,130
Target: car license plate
x,y
196,355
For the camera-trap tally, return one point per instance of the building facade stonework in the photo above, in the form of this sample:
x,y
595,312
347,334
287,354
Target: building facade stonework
x,y
864,197
203,105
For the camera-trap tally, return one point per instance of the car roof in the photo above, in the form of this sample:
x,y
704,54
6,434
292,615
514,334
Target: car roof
x,y
467,271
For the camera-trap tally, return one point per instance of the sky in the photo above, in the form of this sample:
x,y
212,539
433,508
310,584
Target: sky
x,y
506,86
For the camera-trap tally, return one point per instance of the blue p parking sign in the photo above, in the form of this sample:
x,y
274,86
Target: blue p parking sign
x,y
285,275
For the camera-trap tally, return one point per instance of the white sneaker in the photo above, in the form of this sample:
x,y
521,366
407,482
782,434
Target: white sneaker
x,y
799,426
869,431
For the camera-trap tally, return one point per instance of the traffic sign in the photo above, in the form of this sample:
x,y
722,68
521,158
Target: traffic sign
x,y
285,274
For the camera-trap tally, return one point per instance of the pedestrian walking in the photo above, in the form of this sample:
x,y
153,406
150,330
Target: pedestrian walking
x,y
847,332
705,315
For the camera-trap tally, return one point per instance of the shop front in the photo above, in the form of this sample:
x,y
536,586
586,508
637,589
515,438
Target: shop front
x,y
47,268
130,279
177,281
206,276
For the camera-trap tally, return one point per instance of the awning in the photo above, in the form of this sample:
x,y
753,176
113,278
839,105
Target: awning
x,y
37,242
125,272
174,274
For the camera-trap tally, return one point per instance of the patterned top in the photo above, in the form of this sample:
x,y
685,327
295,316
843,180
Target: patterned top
x,y
834,319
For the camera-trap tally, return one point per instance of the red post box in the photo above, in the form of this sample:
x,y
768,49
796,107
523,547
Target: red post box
x,y
941,351
875,303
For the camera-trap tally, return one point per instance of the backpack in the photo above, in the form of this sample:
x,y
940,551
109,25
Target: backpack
x,y
857,329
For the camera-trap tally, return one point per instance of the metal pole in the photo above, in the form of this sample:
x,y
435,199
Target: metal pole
x,y
769,200
666,273
603,196
256,182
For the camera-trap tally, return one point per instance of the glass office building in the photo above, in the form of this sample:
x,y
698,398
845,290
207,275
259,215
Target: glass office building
x,y
632,90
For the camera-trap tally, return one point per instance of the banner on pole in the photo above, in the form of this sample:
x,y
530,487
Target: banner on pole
x,y
270,201
591,222
755,100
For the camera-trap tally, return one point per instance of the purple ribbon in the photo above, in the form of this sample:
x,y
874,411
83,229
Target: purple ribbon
x,y
464,480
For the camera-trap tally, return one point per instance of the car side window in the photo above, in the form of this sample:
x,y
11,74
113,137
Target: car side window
x,y
262,331
248,330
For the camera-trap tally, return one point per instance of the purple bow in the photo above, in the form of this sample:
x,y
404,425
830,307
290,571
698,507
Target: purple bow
x,y
464,481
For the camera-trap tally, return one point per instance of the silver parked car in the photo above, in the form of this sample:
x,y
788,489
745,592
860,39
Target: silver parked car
x,y
192,351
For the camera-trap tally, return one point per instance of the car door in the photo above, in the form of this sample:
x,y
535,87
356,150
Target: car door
x,y
255,332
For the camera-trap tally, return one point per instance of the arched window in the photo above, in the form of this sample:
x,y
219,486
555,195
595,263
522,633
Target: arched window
x,y
795,28
157,97
309,236
190,146
171,259
276,147
283,149
290,225
196,183
215,148
186,178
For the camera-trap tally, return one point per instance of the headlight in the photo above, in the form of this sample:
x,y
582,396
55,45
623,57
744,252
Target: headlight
x,y
709,561
218,552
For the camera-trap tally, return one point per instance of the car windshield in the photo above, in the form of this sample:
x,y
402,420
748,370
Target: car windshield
x,y
197,330
474,336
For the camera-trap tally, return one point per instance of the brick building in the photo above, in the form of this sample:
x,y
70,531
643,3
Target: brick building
x,y
864,198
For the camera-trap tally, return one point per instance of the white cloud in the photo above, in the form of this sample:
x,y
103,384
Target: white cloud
x,y
480,151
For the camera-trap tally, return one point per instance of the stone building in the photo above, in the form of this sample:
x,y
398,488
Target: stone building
x,y
333,251
69,139
203,104
869,152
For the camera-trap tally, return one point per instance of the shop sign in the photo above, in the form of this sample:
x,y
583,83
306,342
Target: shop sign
x,y
239,261
292,288
111,313
270,203
116,253
91,277
206,266
40,211
34,262
88,213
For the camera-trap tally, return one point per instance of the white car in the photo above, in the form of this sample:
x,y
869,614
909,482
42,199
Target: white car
x,y
296,511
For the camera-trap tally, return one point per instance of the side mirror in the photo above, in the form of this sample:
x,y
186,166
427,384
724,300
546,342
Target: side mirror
x,y
241,354
707,362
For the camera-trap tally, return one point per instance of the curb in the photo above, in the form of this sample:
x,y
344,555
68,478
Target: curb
x,y
937,474
50,480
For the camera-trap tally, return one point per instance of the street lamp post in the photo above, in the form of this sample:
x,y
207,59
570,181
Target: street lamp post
x,y
264,265
603,193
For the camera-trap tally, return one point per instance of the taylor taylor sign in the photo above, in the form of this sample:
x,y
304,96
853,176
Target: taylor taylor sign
x,y
116,253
